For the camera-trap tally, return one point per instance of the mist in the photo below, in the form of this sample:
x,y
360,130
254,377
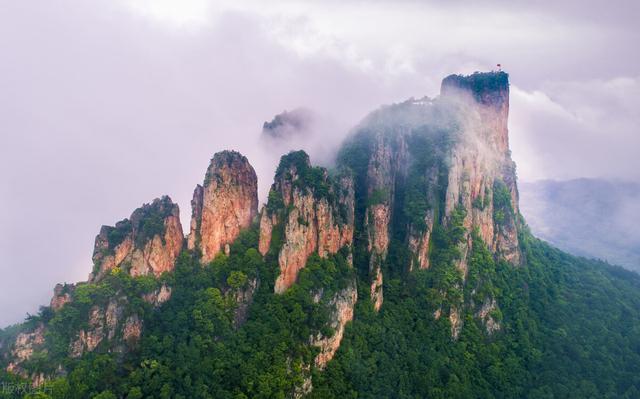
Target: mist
x,y
106,105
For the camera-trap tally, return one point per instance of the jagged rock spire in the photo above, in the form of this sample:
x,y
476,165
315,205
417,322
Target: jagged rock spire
x,y
224,205
147,243
315,209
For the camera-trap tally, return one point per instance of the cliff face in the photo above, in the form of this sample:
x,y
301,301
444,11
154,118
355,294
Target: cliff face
x,y
26,344
418,162
108,325
342,306
146,243
387,165
482,175
224,205
61,296
314,211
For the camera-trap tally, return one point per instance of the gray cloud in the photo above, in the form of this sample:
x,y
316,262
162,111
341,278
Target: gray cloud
x,y
105,105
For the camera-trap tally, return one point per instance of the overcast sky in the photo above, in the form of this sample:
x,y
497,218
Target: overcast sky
x,y
105,105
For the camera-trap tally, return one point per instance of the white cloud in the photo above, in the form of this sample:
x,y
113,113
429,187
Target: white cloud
x,y
577,129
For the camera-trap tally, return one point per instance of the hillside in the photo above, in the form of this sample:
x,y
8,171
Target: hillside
x,y
405,271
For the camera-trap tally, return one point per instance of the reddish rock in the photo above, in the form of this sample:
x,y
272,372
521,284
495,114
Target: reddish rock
x,y
147,243
316,212
226,204
61,296
342,305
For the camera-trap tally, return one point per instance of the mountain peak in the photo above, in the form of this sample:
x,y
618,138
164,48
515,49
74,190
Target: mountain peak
x,y
488,88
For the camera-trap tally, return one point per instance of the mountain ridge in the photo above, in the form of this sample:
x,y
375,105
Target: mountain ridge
x,y
415,237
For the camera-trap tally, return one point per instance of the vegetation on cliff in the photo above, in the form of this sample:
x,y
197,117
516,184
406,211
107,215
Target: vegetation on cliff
x,y
467,324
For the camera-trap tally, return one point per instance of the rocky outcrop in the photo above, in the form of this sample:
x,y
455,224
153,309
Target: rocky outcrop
x,y
132,330
387,164
26,344
226,204
61,296
481,170
243,298
455,319
109,324
342,305
315,212
88,339
486,314
159,296
147,243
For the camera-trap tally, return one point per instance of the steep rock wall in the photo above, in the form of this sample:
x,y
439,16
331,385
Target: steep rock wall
x,y
315,212
226,204
147,243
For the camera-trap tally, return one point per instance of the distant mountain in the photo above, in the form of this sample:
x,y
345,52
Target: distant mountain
x,y
594,218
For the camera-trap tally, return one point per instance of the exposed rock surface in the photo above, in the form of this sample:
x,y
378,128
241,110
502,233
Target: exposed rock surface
x,y
147,243
315,212
243,298
132,330
343,304
108,324
88,339
456,322
426,159
26,344
485,313
226,204
61,296
481,166
388,162
159,296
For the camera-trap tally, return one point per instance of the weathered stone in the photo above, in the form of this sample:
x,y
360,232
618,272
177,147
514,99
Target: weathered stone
x,y
317,213
147,243
89,339
226,204
61,296
159,296
342,304
132,330
485,314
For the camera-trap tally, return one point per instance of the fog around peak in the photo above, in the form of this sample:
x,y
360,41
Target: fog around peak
x,y
106,105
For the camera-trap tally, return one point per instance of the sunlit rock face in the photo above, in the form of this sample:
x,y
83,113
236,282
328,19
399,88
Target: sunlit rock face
x,y
482,176
224,205
147,243
418,162
313,210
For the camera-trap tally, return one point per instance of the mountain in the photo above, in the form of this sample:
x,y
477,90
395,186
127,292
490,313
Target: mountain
x,y
404,271
595,218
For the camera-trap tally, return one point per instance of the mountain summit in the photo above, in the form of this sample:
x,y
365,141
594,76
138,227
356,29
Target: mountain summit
x,y
404,271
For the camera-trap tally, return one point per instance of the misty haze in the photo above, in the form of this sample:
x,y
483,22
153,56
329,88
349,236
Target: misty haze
x,y
306,199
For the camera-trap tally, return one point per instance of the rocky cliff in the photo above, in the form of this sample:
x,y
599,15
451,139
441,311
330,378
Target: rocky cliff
x,y
482,175
422,188
417,163
342,306
313,211
146,243
224,205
